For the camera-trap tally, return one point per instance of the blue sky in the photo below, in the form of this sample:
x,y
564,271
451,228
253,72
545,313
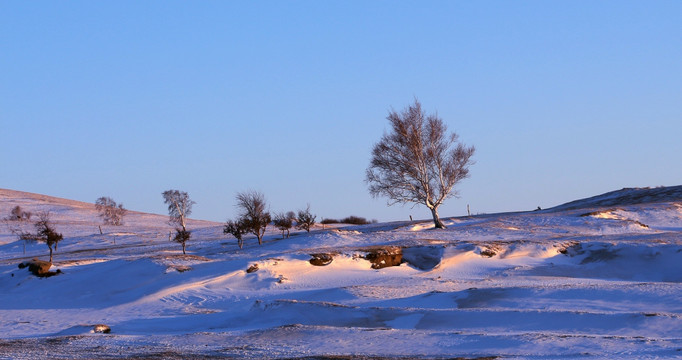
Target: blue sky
x,y
562,100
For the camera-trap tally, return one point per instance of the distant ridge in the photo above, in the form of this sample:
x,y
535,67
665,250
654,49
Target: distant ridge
x,y
15,194
627,196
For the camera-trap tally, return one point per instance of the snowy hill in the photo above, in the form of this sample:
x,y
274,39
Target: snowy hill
x,y
599,277
627,196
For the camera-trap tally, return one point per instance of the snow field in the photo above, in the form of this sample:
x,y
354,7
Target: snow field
x,y
538,285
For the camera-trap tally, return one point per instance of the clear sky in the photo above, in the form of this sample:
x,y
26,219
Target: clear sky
x,y
562,99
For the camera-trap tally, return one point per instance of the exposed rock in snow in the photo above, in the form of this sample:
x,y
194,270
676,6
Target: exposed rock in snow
x,y
385,257
321,259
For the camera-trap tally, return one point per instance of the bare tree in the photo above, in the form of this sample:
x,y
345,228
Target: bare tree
x,y
179,207
45,232
418,161
253,214
283,222
305,219
110,212
236,229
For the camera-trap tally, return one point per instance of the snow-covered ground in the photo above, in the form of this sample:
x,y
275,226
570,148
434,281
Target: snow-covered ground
x,y
600,279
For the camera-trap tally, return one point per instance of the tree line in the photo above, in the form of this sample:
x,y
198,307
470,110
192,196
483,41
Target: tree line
x,y
418,161
253,217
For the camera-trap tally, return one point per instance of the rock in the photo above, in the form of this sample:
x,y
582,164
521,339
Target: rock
x,y
39,268
182,268
488,253
385,257
101,328
252,269
321,259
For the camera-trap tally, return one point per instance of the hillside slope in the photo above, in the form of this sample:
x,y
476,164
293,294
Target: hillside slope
x,y
579,282
627,196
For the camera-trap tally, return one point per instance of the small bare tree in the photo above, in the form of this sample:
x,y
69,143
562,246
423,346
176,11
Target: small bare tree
x,y
45,232
253,214
418,161
179,207
305,219
236,229
182,237
110,212
283,222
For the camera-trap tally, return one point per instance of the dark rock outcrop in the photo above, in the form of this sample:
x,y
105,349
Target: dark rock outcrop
x,y
385,257
321,259
39,268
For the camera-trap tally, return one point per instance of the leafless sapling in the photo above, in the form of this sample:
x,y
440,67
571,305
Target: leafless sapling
x,y
418,161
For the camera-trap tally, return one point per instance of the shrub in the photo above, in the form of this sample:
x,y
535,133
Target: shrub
x,y
182,237
355,220
18,214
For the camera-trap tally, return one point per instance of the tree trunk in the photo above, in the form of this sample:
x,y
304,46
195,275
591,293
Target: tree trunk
x,y
436,219
50,253
183,248
259,234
